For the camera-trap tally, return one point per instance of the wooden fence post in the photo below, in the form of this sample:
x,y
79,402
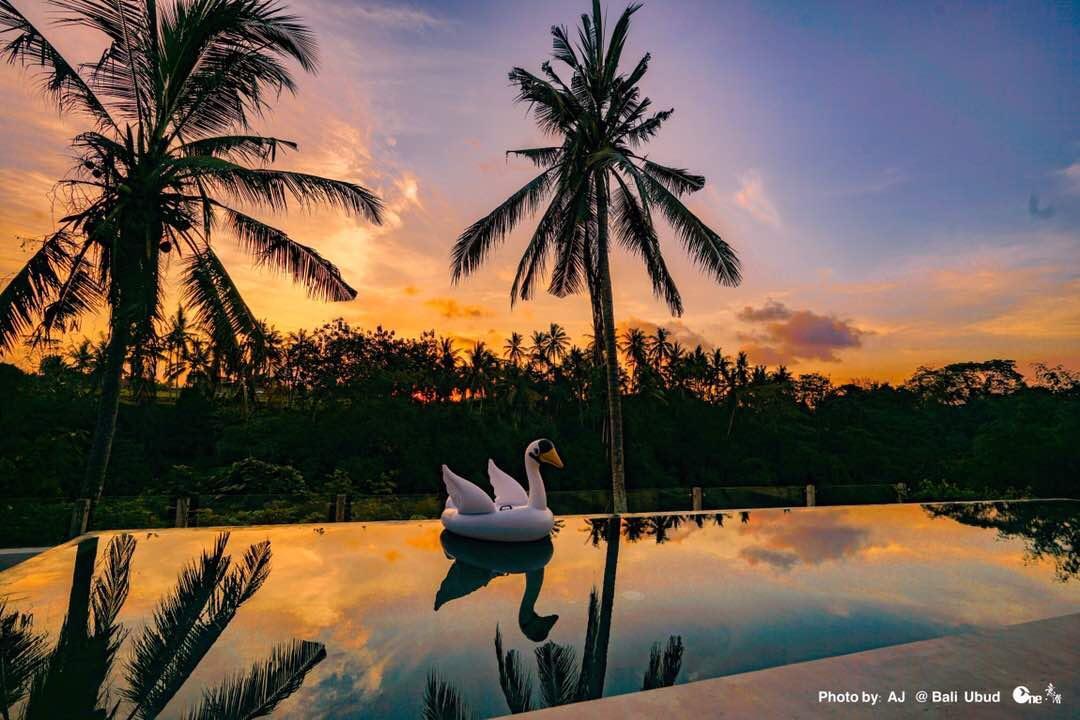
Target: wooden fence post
x,y
340,504
80,518
183,512
811,496
696,494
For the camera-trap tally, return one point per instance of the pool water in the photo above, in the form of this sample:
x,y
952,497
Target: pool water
x,y
694,596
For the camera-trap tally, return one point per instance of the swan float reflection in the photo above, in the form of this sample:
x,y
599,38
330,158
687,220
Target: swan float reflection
x,y
476,563
512,516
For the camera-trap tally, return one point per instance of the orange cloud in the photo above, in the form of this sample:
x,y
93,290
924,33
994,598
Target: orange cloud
x,y
793,334
451,309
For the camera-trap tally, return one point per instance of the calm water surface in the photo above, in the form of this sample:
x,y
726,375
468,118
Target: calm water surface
x,y
394,602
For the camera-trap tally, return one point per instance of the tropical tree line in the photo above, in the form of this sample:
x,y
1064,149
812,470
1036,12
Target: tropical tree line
x,y
339,409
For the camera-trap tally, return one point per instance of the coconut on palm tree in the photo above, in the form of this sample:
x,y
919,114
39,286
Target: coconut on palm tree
x,y
166,159
594,176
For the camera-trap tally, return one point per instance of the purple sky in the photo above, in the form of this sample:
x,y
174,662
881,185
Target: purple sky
x,y
901,181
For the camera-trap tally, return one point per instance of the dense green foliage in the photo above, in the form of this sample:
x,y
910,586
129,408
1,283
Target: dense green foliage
x,y
370,413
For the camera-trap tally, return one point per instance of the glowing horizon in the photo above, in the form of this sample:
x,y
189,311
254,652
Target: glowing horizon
x,y
902,185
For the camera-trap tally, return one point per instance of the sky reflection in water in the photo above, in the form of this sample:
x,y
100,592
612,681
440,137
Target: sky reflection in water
x,y
764,588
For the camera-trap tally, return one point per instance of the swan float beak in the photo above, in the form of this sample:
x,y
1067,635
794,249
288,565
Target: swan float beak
x,y
551,457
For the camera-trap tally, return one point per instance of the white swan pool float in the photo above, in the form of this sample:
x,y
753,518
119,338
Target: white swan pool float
x,y
512,516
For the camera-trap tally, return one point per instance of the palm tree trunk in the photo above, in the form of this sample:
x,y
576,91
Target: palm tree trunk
x,y
613,531
611,357
108,406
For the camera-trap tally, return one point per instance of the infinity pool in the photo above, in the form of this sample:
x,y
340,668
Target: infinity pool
x,y
604,608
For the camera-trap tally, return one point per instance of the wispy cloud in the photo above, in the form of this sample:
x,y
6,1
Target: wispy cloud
x,y
400,17
1072,177
752,198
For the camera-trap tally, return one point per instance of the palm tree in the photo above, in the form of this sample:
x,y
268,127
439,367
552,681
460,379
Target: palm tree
x,y
177,339
660,349
635,347
480,369
167,155
514,349
557,343
538,351
599,121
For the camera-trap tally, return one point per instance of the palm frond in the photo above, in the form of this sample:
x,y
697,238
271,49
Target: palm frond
x,y
541,157
534,260
646,130
514,679
124,71
247,148
554,109
617,42
664,666
235,588
570,270
22,653
636,233
273,188
703,245
558,673
27,293
442,701
478,240
173,619
219,308
80,293
221,58
677,180
274,249
60,80
256,694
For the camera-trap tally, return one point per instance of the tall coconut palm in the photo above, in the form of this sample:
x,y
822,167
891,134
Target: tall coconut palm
x,y
167,155
557,343
594,175
178,337
514,349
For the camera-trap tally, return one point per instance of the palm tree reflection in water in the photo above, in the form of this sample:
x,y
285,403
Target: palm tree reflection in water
x,y
561,679
72,680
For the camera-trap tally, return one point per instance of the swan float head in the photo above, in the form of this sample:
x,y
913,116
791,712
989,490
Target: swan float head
x,y
543,451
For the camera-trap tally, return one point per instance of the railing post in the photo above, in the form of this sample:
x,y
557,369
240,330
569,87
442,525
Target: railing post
x,y
696,494
901,492
183,512
340,504
811,496
80,518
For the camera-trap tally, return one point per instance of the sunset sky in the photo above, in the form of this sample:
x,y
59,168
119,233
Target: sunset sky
x,y
901,182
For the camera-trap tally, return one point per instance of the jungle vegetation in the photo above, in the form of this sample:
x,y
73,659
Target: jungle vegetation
x,y
369,412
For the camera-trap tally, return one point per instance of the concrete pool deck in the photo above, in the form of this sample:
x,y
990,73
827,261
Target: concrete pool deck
x,y
1031,654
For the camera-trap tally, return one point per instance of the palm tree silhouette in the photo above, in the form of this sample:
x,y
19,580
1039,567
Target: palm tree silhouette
x,y
178,337
71,680
514,349
166,158
600,121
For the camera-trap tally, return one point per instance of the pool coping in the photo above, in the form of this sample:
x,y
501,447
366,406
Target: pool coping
x,y
1032,654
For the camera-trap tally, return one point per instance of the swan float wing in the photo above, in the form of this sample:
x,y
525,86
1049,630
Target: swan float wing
x,y
467,497
508,491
